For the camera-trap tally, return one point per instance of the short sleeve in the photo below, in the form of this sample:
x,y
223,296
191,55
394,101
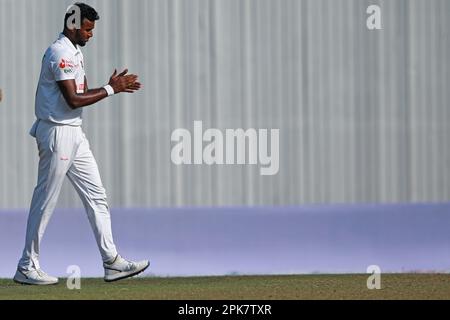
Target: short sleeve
x,y
62,66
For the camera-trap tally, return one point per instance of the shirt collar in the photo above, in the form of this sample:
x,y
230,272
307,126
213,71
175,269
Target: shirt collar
x,y
69,44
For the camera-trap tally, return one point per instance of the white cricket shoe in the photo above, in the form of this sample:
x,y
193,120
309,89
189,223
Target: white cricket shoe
x,y
121,268
34,276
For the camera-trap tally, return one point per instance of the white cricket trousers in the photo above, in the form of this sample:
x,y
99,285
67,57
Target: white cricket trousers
x,y
65,151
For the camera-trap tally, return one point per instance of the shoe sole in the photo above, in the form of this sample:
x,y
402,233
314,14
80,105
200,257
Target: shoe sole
x,y
35,284
128,275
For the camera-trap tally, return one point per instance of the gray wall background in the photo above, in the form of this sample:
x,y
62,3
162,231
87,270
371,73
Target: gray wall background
x,y
363,115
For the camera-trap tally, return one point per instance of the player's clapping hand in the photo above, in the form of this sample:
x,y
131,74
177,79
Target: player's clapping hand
x,y
124,82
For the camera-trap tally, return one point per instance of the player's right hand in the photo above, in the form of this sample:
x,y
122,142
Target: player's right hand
x,y
124,82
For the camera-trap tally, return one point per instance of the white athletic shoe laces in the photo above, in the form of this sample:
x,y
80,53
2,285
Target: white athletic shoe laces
x,y
121,268
34,277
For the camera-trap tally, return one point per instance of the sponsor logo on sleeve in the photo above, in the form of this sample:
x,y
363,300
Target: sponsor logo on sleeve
x,y
67,65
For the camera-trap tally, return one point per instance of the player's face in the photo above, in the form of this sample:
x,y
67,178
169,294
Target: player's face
x,y
85,32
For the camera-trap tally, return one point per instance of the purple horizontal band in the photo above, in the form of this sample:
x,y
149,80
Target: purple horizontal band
x,y
241,240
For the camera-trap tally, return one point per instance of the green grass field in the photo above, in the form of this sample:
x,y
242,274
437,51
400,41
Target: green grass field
x,y
393,286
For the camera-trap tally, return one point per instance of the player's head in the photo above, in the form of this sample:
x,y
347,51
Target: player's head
x,y
79,22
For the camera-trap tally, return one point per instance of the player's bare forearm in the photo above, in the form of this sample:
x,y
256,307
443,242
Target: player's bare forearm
x,y
78,100
88,98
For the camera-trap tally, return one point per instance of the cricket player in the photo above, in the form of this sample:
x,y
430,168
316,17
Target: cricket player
x,y
64,150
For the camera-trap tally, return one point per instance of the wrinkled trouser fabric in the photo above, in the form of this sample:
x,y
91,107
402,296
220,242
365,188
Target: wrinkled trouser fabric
x,y
65,151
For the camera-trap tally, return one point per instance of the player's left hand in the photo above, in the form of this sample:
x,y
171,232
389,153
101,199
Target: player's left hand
x,y
124,82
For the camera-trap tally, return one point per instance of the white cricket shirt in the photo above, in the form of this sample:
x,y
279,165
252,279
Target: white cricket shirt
x,y
62,61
